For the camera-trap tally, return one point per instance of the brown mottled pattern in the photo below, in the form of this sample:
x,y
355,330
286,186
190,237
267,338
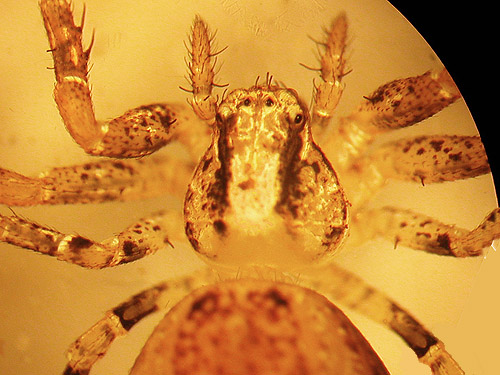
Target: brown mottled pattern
x,y
404,102
250,327
429,159
140,239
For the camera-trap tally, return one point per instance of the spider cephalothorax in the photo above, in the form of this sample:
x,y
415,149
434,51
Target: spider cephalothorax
x,y
264,180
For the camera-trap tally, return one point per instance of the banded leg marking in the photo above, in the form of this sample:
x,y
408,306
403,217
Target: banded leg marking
x,y
144,237
421,232
96,341
351,291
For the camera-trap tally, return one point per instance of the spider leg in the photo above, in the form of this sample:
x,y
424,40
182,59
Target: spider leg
x,y
99,181
351,291
394,105
95,342
136,133
424,159
328,93
421,232
144,237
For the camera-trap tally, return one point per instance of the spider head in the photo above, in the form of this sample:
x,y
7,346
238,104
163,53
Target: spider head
x,y
264,194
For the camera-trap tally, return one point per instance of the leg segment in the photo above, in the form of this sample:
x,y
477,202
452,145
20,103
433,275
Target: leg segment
x,y
351,291
424,159
405,102
201,70
422,232
138,132
397,104
140,239
429,159
329,91
96,341
99,181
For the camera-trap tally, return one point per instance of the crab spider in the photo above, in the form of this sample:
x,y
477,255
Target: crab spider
x,y
127,170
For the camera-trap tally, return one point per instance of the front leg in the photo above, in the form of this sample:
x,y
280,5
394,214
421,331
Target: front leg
x,y
137,132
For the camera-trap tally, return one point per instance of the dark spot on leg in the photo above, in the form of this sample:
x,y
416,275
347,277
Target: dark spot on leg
x,y
128,248
69,370
455,157
437,145
492,217
424,234
78,243
118,165
136,309
411,331
424,223
444,241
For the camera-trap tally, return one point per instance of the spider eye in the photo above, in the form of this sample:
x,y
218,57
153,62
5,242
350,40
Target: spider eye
x,y
269,102
298,118
246,102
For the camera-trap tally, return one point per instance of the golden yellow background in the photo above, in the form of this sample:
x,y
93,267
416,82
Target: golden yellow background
x,y
138,59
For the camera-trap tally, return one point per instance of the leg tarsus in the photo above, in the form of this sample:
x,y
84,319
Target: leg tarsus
x,y
482,236
328,93
440,361
19,190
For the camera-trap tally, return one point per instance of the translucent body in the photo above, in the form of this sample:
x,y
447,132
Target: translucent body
x,y
250,327
375,263
264,194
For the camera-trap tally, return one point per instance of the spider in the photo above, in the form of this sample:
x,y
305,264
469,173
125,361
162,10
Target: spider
x,y
218,224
